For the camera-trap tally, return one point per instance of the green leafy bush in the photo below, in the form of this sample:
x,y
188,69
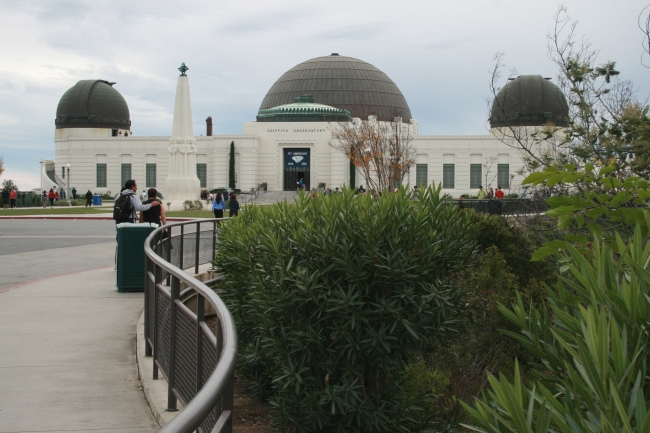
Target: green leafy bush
x,y
591,352
193,204
334,296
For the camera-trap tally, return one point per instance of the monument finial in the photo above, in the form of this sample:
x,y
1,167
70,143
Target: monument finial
x,y
183,69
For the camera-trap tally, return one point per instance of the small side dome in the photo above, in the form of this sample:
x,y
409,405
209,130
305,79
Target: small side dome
x,y
529,100
92,104
303,109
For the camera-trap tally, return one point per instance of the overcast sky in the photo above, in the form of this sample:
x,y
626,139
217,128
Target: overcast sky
x,y
439,53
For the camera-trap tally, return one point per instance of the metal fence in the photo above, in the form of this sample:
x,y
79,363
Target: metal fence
x,y
507,207
197,360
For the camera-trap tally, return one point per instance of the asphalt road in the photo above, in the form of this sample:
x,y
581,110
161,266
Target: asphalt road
x,y
35,249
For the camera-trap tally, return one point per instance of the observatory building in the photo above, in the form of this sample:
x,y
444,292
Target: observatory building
x,y
291,137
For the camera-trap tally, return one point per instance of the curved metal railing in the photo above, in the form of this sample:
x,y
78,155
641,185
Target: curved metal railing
x,y
196,357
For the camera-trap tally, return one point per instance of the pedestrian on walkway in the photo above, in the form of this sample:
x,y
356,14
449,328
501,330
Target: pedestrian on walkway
x,y
218,206
155,214
74,193
12,198
89,199
51,196
128,203
234,205
44,199
5,198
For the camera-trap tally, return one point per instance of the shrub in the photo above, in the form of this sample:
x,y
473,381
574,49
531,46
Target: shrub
x,y
193,204
334,296
592,351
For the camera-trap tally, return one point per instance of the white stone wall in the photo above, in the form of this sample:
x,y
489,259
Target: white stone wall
x,y
259,157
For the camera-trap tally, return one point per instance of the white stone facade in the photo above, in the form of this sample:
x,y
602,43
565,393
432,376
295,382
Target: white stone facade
x,y
259,157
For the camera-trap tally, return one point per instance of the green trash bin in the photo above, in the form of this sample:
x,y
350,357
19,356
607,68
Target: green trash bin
x,y
130,255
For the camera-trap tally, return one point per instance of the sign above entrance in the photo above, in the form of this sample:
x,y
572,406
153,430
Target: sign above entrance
x,y
296,158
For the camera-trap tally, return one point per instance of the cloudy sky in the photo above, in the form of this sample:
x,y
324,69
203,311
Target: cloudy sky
x,y
439,54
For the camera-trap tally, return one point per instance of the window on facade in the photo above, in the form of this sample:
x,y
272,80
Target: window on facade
x,y
202,174
448,175
101,175
503,175
421,174
151,176
63,172
126,174
475,173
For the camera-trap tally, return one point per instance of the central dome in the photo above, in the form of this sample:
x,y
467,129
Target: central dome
x,y
341,82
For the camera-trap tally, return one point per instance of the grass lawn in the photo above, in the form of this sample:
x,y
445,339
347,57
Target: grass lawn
x,y
54,211
191,214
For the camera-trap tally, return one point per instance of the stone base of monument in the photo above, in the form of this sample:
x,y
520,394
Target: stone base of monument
x,y
176,205
180,189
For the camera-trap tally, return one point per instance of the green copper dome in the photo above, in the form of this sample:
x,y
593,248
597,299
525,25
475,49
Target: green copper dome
x,y
303,109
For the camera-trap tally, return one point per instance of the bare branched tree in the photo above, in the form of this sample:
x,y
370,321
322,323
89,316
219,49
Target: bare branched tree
x,y
488,166
381,151
2,166
644,25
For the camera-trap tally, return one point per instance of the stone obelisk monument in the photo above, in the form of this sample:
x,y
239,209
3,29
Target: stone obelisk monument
x,y
182,183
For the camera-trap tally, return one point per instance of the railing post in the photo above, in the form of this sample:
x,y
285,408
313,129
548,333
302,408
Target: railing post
x,y
175,292
182,251
214,243
147,300
157,277
196,249
169,249
200,318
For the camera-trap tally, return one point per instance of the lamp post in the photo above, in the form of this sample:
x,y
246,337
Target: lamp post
x,y
67,193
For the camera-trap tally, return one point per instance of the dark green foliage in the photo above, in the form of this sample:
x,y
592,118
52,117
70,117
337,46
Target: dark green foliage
x,y
500,268
515,244
592,349
335,296
231,166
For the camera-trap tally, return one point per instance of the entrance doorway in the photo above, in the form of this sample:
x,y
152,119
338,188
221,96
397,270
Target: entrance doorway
x,y
296,167
291,179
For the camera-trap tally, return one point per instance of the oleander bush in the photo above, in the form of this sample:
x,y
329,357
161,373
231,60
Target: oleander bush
x,y
591,349
339,299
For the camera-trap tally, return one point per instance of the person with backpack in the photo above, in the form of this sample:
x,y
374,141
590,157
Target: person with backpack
x,y
128,203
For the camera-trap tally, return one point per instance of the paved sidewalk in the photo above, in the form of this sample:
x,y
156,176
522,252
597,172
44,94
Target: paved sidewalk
x,y
67,356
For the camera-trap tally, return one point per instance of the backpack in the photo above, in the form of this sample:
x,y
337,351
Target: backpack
x,y
123,209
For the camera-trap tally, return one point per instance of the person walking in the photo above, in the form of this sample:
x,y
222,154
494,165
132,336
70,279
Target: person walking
x,y
499,193
12,198
89,199
490,194
44,199
234,205
56,196
74,193
481,193
218,206
155,214
5,198
51,196
132,206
